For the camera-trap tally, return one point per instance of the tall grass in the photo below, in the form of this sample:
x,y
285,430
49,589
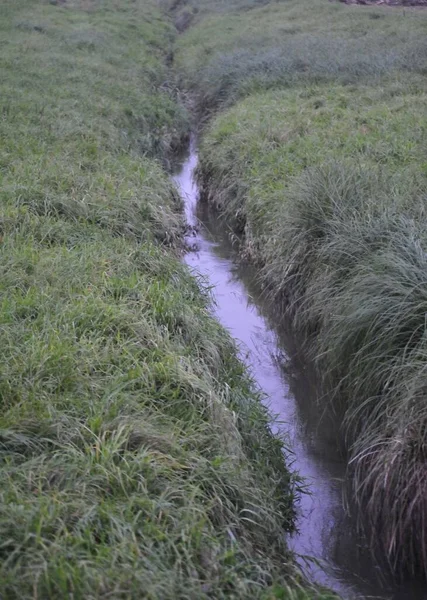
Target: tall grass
x,y
136,459
327,185
124,470
357,292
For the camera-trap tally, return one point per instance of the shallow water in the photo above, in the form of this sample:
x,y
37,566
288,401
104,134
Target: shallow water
x,y
326,532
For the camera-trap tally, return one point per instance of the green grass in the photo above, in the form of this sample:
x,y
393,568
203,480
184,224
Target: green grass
x,y
136,459
228,55
186,13
90,80
322,169
258,148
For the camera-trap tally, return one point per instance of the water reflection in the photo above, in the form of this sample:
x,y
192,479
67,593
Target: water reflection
x,y
326,531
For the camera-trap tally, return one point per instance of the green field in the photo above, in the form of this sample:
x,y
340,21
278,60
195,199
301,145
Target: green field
x,y
316,153
136,459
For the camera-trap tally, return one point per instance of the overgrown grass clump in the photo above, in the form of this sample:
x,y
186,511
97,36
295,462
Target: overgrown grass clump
x,y
327,185
136,459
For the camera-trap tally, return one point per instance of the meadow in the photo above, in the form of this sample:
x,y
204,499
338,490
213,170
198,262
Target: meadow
x,y
136,457
313,147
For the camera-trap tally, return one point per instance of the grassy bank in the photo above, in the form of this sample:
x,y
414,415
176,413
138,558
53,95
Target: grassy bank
x,y
321,166
135,456
244,47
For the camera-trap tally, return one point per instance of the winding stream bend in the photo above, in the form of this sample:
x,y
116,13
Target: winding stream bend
x,y
326,532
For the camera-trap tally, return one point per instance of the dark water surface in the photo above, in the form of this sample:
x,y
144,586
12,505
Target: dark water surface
x,y
326,531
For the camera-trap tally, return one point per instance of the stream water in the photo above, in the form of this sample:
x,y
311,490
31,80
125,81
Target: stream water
x,y
326,532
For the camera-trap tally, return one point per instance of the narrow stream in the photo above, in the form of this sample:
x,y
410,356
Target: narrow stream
x,y
326,532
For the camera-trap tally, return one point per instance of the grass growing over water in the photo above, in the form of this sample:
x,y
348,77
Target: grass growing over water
x,y
325,175
135,456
